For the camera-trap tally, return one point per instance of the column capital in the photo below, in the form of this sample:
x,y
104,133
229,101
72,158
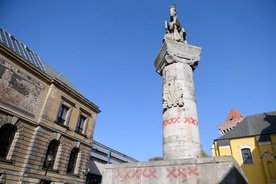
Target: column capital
x,y
176,52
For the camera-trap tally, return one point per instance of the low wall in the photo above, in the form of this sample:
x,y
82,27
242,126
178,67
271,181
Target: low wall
x,y
208,170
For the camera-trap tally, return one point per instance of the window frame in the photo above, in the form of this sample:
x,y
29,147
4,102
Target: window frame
x,y
64,104
72,162
82,120
7,143
247,157
54,154
61,116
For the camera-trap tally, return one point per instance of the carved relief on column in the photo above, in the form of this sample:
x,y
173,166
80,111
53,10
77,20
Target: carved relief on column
x,y
172,95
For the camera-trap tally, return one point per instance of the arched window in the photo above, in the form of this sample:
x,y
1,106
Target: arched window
x,y
72,160
246,156
271,170
7,133
51,153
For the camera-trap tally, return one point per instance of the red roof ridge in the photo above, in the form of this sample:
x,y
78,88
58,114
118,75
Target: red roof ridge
x,y
234,118
234,114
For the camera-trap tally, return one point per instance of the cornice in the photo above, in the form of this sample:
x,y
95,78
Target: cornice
x,y
176,52
4,50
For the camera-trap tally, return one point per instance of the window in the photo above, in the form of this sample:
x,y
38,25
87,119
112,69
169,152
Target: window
x,y
46,182
2,178
246,156
7,133
52,150
271,170
72,161
93,179
80,124
62,114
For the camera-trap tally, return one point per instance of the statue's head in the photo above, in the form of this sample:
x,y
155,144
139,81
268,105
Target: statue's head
x,y
172,10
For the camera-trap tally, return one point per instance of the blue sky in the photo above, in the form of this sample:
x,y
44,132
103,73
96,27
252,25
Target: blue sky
x,y
107,48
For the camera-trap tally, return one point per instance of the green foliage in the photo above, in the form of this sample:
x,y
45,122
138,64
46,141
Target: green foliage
x,y
203,153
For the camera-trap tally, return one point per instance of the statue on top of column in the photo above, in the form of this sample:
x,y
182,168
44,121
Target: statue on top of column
x,y
174,30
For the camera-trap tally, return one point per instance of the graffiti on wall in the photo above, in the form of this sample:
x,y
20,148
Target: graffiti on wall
x,y
136,173
174,120
155,173
182,172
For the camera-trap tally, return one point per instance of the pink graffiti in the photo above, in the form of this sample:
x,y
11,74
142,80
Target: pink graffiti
x,y
171,121
136,173
191,120
174,120
184,172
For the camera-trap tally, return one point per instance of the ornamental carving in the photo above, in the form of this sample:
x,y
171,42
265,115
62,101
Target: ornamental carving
x,y
267,154
172,58
19,90
172,95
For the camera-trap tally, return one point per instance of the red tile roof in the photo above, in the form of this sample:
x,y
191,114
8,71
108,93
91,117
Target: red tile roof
x,y
231,121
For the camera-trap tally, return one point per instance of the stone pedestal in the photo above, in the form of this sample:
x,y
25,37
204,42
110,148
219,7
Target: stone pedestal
x,y
209,170
175,63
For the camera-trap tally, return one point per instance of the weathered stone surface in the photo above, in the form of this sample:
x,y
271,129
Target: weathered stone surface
x,y
209,170
177,52
20,91
176,63
30,100
174,30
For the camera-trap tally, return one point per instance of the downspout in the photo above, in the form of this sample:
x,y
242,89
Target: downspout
x,y
108,156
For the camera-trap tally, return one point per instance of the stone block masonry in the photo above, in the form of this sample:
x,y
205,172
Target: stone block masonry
x,y
209,170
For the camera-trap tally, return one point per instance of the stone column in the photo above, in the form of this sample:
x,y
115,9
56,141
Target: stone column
x,y
175,63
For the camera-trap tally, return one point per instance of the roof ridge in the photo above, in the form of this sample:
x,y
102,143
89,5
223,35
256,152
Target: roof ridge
x,y
270,112
252,125
233,114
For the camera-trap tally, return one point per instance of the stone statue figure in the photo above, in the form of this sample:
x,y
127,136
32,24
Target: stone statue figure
x,y
174,31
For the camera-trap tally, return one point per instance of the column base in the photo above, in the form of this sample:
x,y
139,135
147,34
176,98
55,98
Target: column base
x,y
207,170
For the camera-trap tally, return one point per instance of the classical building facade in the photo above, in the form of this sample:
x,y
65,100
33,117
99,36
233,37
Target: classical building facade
x,y
101,155
46,125
252,143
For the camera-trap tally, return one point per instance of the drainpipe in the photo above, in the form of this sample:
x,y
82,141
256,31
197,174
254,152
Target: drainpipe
x,y
108,156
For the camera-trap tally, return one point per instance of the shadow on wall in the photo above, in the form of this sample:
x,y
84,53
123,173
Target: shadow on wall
x,y
234,176
271,128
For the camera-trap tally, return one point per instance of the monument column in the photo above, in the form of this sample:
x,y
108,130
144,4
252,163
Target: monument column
x,y
175,63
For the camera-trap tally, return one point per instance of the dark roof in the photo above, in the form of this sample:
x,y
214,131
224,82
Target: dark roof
x,y
26,53
253,125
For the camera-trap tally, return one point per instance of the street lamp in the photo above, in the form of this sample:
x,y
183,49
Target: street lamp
x,y
49,160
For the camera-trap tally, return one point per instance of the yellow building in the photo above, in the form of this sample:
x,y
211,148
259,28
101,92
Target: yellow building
x,y
46,125
252,143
